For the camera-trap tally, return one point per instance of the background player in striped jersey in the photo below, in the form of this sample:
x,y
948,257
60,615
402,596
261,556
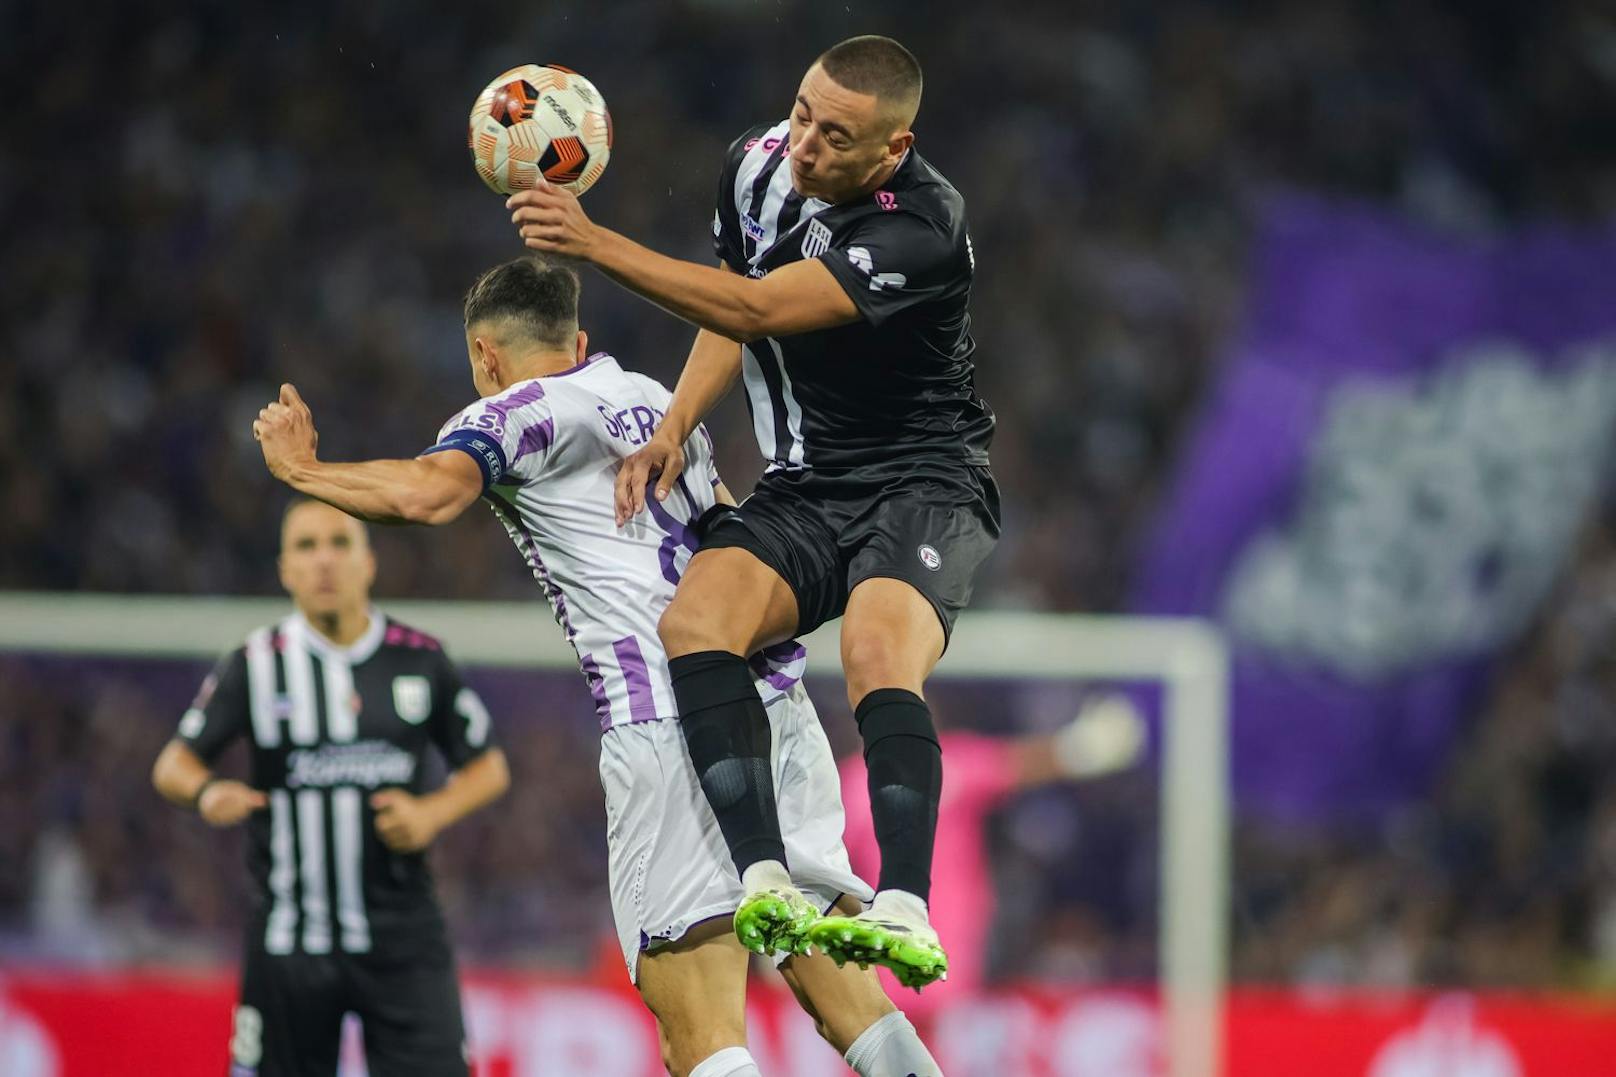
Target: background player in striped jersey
x,y
845,311
340,705
543,446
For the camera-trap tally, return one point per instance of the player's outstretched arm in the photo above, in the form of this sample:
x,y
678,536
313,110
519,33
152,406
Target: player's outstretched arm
x,y
184,780
710,370
408,823
426,490
795,298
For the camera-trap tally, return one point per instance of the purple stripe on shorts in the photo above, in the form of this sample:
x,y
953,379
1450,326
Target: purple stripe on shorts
x,y
535,438
771,663
641,703
597,689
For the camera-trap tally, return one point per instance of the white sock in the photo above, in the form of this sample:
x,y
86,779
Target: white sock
x,y
765,875
730,1062
899,905
891,1048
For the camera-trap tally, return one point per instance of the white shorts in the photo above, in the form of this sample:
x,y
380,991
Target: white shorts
x,y
669,867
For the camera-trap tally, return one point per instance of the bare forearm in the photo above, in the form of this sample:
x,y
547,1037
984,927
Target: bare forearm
x,y
710,298
475,785
381,491
710,371
179,774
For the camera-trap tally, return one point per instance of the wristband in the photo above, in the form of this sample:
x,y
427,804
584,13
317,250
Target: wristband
x,y
196,801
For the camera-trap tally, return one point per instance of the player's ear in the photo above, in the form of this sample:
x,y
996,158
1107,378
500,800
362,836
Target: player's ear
x,y
487,359
583,346
899,144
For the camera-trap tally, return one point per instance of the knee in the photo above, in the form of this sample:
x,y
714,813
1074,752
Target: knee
x,y
685,1043
685,628
871,660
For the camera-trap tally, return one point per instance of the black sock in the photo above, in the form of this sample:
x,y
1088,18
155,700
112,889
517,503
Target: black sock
x,y
727,735
905,765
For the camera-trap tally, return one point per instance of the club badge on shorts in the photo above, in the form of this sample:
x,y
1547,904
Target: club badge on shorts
x,y
930,557
412,698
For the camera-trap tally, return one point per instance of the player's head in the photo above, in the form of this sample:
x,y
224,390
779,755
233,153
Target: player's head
x,y
522,322
850,122
326,563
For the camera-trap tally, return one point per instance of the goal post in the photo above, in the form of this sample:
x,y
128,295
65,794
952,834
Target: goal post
x,y
1187,657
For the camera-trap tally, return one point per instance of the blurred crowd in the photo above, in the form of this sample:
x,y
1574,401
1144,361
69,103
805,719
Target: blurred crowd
x,y
197,206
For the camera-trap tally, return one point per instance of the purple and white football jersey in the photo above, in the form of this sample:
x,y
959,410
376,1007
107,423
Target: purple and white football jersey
x,y
549,449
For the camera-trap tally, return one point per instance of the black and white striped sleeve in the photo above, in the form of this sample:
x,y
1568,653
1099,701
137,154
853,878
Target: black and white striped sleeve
x,y
221,711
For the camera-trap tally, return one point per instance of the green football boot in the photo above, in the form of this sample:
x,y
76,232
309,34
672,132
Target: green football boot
x,y
775,919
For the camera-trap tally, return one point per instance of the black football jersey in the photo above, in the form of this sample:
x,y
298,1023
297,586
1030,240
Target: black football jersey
x,y
328,726
898,382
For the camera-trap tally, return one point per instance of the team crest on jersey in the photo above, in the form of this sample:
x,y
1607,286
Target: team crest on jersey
x,y
930,557
816,240
412,698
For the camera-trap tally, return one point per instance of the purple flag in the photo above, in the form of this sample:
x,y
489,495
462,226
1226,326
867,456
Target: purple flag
x,y
1383,487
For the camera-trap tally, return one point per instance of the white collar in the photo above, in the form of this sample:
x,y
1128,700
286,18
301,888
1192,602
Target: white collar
x,y
357,651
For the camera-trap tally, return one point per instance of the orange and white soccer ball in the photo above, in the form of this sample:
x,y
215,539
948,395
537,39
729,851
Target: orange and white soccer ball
x,y
536,121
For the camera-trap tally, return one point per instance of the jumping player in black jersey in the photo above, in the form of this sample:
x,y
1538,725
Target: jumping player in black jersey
x,y
339,704
842,302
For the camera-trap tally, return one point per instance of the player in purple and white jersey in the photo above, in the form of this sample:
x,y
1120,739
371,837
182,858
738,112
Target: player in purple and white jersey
x,y
542,446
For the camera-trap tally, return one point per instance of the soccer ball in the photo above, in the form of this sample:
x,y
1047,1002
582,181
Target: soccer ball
x,y
535,120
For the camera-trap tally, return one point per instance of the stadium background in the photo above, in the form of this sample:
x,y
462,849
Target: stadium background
x,y
198,203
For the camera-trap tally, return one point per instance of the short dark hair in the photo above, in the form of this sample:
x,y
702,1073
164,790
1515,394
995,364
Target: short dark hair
x,y
537,298
878,66
299,500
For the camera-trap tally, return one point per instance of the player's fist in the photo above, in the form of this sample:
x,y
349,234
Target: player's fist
x,y
227,802
550,219
661,459
285,432
404,822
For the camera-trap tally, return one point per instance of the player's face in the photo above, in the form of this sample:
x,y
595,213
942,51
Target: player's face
x,y
326,562
839,139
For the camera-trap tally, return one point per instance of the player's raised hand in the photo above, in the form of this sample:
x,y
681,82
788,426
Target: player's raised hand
x,y
403,821
660,459
285,432
226,802
549,219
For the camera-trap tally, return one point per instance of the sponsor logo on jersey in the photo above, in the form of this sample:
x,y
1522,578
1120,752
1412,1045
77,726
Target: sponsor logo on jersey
x,y
412,698
930,557
816,240
750,226
369,763
860,257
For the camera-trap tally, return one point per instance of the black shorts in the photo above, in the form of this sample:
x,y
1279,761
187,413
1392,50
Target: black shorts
x,y
929,522
289,1020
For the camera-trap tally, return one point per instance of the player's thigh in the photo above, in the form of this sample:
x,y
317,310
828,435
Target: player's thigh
x,y
910,577
892,637
289,1020
411,1015
728,600
696,989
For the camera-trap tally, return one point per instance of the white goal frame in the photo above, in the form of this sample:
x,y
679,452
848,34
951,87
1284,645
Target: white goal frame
x,y
1188,657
